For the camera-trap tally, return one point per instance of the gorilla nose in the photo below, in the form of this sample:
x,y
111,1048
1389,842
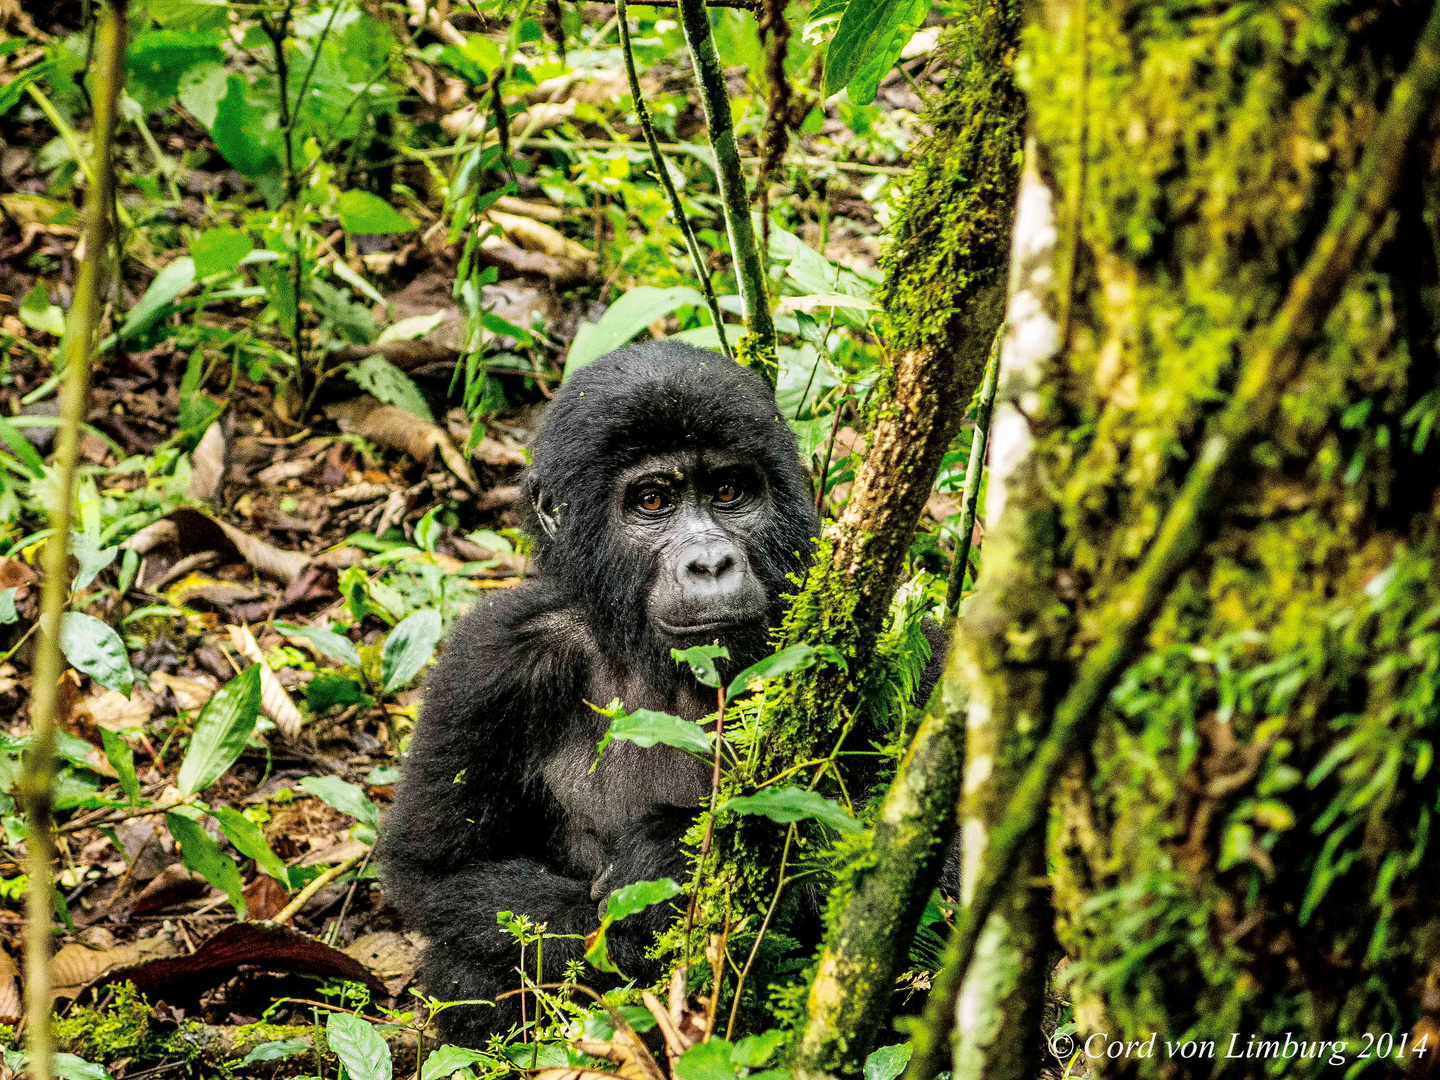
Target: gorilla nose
x,y
709,563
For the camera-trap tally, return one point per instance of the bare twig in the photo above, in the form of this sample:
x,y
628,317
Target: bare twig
x,y
974,469
290,910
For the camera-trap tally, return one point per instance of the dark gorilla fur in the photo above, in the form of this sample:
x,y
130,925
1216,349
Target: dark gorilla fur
x,y
498,809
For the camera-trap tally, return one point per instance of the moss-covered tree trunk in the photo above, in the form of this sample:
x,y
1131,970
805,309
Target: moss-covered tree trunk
x,y
1246,847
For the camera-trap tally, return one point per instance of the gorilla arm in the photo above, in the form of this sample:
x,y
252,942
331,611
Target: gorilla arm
x,y
473,829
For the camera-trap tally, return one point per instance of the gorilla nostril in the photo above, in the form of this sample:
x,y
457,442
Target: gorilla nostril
x,y
710,565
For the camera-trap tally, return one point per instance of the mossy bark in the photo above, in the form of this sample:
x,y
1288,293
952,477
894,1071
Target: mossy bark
x,y
1245,848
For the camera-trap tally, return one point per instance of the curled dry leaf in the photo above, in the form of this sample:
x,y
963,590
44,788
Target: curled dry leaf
x,y
392,426
207,465
540,211
10,1007
195,531
76,966
392,956
535,235
189,693
560,272
624,1049
112,710
274,700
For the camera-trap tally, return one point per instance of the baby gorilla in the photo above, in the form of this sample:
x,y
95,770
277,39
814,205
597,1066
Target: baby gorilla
x,y
669,506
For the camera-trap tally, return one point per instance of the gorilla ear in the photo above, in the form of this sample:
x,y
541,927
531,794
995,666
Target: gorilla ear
x,y
547,517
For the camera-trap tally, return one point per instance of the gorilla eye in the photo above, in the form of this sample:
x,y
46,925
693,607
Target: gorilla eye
x,y
653,500
727,493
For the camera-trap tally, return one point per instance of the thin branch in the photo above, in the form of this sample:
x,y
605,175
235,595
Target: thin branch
x,y
290,910
735,202
662,172
1353,228
974,470
37,784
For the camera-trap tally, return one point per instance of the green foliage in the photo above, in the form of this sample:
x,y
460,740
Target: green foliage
x,y
359,1046
223,728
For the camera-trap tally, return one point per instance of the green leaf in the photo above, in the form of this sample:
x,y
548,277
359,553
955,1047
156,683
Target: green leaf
x,y
8,614
243,130
91,557
23,448
888,1062
275,1051
756,1050
391,385
706,1061
416,326
625,318
163,291
119,754
795,658
359,1046
70,1067
446,1059
249,840
221,732
867,43
701,659
364,214
787,804
92,647
328,689
38,313
343,796
219,250
646,728
327,642
201,90
202,855
621,904
408,648
632,899
189,14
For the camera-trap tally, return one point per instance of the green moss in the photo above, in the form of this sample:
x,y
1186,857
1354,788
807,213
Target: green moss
x,y
123,1028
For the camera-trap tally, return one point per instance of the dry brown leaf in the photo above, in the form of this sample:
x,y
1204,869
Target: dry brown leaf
x,y
391,425
76,966
220,593
152,536
264,898
285,470
10,1007
535,235
561,273
334,854
207,465
393,957
112,710
540,211
189,693
193,530
274,700
15,572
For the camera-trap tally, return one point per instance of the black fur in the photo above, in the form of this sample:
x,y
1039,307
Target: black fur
x,y
498,809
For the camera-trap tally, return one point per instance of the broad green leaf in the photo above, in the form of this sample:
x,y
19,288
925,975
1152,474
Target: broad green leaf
x,y
787,804
756,1050
8,614
249,840
795,658
391,385
646,728
71,1067
359,1046
91,557
178,276
625,318
221,732
243,130
621,904
364,214
22,447
888,1062
202,855
275,1051
38,313
867,43
92,647
701,659
706,1061
446,1059
189,14
201,90
328,642
343,796
157,58
119,754
219,250
632,899
327,689
408,647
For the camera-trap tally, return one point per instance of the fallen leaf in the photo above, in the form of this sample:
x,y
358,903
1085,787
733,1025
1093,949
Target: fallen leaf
x,y
392,956
10,1007
15,572
524,207
207,465
112,710
189,693
173,885
335,853
195,531
264,898
77,966
392,426
274,700
534,235
559,271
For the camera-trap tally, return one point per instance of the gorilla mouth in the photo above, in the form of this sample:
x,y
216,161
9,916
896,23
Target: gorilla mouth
x,y
695,629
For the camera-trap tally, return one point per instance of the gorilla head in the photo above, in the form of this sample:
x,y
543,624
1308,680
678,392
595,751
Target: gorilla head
x,y
666,494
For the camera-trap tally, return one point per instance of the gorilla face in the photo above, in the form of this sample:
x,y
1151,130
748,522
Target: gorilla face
x,y
687,516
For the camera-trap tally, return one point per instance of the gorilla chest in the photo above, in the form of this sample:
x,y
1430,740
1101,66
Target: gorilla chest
x,y
627,782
